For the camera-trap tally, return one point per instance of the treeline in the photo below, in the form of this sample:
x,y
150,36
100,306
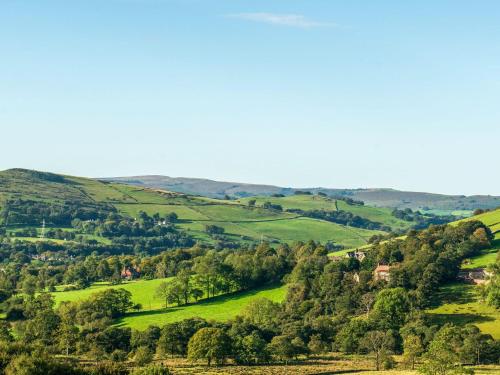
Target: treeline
x,y
422,221
343,218
31,212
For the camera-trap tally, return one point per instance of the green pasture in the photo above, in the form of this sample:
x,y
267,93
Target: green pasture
x,y
143,292
316,202
303,229
460,304
221,308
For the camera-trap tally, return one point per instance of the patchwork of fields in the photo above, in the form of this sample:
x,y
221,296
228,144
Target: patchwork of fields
x,y
241,222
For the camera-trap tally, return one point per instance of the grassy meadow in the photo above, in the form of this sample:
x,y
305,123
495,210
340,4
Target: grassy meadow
x,y
143,292
461,304
220,308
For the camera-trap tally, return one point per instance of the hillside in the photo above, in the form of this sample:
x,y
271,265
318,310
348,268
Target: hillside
x,y
373,197
24,193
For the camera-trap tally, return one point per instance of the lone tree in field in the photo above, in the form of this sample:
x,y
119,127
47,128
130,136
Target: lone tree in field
x,y
379,343
412,349
210,344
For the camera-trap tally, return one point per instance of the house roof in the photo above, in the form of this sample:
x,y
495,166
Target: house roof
x,y
382,268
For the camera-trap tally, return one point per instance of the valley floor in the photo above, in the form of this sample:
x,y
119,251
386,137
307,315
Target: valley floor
x,y
329,364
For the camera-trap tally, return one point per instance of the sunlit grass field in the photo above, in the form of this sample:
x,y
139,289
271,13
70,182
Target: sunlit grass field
x,y
460,304
220,308
143,292
315,202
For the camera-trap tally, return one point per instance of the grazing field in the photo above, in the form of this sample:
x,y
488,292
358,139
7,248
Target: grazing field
x,y
315,202
302,229
142,292
488,257
220,308
460,304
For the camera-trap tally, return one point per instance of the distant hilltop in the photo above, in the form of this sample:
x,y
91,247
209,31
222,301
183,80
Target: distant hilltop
x,y
374,197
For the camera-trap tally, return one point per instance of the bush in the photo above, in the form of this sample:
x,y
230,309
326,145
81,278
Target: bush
x,y
27,365
143,356
118,356
108,368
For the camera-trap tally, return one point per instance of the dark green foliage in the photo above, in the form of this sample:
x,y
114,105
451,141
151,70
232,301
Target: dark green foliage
x,y
210,344
420,220
271,206
174,337
344,218
31,365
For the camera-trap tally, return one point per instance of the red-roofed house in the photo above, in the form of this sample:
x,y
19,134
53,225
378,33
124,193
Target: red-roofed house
x,y
382,272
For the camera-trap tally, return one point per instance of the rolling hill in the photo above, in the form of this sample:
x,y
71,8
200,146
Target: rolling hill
x,y
373,197
241,222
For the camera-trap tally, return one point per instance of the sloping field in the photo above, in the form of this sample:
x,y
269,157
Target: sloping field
x,y
143,292
241,223
306,228
492,220
221,308
460,304
316,202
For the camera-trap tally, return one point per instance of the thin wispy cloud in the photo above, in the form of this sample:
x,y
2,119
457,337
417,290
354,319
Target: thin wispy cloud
x,y
290,20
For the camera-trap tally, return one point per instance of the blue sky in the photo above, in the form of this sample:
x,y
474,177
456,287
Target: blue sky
x,y
289,92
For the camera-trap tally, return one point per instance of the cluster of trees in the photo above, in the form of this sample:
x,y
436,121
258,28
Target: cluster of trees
x,y
272,206
491,291
420,220
342,217
215,273
424,260
31,212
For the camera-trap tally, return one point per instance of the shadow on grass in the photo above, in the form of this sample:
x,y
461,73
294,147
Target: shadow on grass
x,y
458,293
459,319
217,300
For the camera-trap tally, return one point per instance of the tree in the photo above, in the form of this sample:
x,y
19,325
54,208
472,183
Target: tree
x,y
31,365
5,334
349,337
249,349
163,291
316,345
474,344
211,344
299,347
29,285
174,337
183,279
378,343
281,347
196,293
214,229
391,308
143,355
442,357
412,349
262,312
